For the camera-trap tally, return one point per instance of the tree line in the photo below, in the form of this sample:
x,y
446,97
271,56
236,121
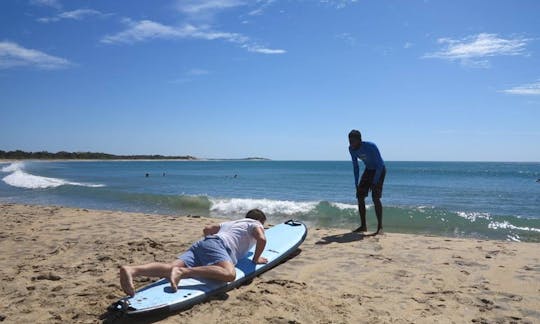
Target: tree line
x,y
63,155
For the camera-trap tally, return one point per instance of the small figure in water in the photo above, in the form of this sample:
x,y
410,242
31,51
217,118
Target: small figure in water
x,y
163,173
236,176
538,180
147,175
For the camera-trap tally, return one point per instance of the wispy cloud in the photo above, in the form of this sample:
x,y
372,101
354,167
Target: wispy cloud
x,y
474,50
191,75
78,14
139,31
347,38
262,50
408,45
206,9
262,5
338,4
525,89
47,3
13,55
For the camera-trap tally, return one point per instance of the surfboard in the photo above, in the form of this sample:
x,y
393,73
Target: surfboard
x,y
281,241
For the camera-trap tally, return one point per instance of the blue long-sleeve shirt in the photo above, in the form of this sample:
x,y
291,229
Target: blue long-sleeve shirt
x,y
370,155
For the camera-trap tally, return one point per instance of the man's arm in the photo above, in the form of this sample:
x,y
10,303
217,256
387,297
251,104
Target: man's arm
x,y
258,234
211,230
356,170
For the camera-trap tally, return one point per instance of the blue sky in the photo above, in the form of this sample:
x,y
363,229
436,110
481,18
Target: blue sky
x,y
284,79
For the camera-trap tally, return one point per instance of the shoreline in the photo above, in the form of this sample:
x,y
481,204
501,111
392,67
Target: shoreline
x,y
60,264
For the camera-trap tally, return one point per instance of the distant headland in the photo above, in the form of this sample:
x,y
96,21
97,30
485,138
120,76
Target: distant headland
x,y
63,155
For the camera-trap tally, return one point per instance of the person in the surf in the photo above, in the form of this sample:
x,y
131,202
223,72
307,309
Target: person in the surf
x,y
213,257
372,179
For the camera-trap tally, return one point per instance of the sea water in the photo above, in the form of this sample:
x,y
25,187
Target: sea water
x,y
460,199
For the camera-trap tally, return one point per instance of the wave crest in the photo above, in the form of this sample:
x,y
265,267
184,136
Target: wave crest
x,y
19,178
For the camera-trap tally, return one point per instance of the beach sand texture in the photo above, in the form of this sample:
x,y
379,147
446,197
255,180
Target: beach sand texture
x,y
60,265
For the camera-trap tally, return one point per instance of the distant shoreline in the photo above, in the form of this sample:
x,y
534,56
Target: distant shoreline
x,y
130,160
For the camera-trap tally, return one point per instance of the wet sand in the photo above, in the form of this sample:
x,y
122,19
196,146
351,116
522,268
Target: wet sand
x,y
60,265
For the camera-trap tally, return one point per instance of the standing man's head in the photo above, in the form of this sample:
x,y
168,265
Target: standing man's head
x,y
355,139
256,214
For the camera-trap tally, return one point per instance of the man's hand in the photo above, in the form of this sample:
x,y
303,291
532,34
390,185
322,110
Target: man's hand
x,y
261,260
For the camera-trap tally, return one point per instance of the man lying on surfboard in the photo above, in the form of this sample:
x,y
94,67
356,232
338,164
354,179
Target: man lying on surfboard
x,y
213,257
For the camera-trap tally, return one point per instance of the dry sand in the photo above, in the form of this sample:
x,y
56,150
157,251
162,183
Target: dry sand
x,y
60,265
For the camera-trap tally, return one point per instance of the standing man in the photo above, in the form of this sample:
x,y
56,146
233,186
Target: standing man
x,y
372,178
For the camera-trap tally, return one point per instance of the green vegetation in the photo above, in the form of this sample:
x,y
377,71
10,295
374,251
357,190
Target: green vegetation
x,y
62,155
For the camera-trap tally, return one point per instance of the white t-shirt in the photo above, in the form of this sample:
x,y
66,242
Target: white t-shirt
x,y
238,236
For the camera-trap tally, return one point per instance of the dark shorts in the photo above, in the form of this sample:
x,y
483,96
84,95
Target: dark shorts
x,y
208,251
366,184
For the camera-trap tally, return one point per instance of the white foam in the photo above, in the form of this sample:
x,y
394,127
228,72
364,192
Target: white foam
x,y
21,179
343,206
472,216
13,167
242,206
507,225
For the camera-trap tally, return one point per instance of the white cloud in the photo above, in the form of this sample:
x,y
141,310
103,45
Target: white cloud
x,y
47,3
262,6
263,50
473,50
338,4
139,31
526,89
13,55
206,9
143,30
78,14
408,45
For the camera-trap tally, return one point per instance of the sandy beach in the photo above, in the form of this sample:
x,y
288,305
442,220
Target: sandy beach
x,y
60,265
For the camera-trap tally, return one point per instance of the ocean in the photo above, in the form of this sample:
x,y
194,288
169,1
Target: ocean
x,y
458,199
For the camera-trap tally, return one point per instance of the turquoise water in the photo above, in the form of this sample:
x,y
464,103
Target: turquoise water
x,y
483,200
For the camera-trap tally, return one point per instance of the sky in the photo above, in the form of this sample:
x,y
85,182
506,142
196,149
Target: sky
x,y
282,79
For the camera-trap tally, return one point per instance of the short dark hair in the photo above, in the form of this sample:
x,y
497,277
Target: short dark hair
x,y
355,134
256,214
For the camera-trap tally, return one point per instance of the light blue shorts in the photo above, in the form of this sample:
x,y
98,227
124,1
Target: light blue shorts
x,y
208,251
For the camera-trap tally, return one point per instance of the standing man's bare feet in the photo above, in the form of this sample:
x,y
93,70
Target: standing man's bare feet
x,y
360,229
126,280
174,278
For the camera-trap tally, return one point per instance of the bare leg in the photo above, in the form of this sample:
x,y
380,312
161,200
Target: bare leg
x,y
362,212
379,212
222,271
154,269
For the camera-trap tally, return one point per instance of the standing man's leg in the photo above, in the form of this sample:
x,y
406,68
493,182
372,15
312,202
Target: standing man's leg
x,y
376,195
361,193
362,212
379,212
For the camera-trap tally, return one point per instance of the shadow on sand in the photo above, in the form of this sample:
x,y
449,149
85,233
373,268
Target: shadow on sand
x,y
348,237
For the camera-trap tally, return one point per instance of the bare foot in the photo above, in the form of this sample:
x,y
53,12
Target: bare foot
x,y
379,232
174,278
126,280
360,229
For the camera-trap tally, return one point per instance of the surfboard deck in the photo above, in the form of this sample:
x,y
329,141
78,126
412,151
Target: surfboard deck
x,y
282,240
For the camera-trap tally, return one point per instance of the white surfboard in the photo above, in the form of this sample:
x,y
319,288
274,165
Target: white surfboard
x,y
281,241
